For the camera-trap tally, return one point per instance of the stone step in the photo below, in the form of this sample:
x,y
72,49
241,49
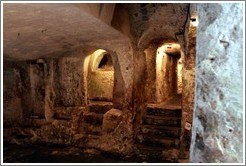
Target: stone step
x,y
100,107
162,121
62,117
165,106
164,131
157,141
35,123
163,112
91,129
65,113
93,118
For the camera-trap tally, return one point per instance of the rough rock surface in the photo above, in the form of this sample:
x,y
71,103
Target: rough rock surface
x,y
69,81
155,21
120,139
12,96
37,89
166,76
33,31
188,83
111,120
150,88
217,133
179,76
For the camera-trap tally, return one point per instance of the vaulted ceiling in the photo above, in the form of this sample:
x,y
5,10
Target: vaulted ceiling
x,y
33,30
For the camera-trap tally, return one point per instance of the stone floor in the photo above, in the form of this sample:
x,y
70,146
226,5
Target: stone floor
x,y
54,154
175,101
13,153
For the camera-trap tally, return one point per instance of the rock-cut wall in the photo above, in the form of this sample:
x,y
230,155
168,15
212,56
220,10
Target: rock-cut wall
x,y
217,133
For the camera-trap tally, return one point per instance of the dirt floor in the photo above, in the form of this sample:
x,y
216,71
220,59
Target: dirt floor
x,y
55,154
13,153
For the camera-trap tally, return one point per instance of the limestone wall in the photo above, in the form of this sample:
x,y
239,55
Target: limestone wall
x,y
188,55
12,94
166,77
179,76
217,133
68,81
150,54
37,89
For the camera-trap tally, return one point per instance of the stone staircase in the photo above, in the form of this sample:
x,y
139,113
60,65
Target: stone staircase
x,y
159,136
93,118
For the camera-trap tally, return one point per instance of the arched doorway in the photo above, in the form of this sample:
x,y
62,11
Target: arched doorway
x,y
161,123
100,76
168,72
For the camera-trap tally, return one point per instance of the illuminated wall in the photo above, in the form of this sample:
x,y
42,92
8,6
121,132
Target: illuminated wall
x,y
100,76
166,76
179,76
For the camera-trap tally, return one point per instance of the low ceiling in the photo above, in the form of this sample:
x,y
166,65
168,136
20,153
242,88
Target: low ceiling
x,y
32,31
157,21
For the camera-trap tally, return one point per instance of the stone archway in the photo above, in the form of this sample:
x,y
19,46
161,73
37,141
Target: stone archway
x,y
100,76
167,56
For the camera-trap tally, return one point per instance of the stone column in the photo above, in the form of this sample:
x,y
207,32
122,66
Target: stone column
x,y
69,82
150,54
49,91
123,79
139,84
217,133
119,122
37,88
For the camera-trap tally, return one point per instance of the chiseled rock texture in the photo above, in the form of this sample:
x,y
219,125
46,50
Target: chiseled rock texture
x,y
150,88
111,120
217,134
188,82
12,96
68,81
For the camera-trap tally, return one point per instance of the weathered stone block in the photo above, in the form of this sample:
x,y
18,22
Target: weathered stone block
x,y
111,120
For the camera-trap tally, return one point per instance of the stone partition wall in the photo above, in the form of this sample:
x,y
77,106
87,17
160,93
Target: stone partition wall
x,y
217,133
37,89
123,119
68,81
150,89
139,84
119,90
50,95
123,79
188,55
14,80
